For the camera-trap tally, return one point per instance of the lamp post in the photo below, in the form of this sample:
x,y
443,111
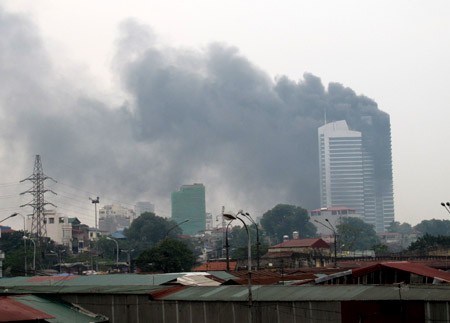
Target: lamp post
x,y
227,246
34,253
446,206
95,202
249,260
257,239
173,227
24,243
128,252
10,216
117,251
331,227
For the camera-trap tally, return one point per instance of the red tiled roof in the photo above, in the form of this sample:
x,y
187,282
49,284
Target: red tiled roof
x,y
13,311
415,268
302,243
215,266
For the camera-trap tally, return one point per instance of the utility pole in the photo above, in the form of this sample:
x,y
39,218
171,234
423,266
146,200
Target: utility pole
x,y
38,224
95,202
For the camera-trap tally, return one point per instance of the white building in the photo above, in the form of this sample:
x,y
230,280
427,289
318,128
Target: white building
x,y
327,219
114,217
58,227
356,171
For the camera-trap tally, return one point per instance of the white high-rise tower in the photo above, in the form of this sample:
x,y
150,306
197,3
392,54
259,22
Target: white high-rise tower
x,y
353,174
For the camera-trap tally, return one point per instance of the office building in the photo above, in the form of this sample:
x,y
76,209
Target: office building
x,y
356,170
143,207
114,218
189,204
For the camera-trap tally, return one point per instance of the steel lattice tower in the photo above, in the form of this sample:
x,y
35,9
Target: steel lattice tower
x,y
38,224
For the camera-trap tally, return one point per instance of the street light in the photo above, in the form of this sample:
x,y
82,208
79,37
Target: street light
x,y
34,252
173,227
128,252
117,251
24,243
257,239
227,246
10,216
331,227
446,206
249,265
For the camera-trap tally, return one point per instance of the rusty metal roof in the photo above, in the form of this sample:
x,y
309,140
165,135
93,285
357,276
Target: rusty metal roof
x,y
33,308
13,311
414,268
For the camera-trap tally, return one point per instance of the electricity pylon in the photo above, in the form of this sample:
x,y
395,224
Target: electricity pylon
x,y
38,224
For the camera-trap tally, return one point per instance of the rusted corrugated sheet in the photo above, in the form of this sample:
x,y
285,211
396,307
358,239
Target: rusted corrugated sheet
x,y
414,268
13,311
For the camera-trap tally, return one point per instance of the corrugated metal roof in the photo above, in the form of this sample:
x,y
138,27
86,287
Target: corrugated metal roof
x,y
12,310
415,268
118,283
310,293
223,275
32,308
217,265
60,312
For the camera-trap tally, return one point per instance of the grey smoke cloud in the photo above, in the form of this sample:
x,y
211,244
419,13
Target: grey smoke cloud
x,y
207,116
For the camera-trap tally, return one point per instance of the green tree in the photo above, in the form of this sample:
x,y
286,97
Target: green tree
x,y
168,256
12,244
434,227
427,242
404,228
149,229
284,219
355,234
238,242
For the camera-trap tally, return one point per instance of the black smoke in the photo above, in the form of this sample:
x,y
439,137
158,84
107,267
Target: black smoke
x,y
208,116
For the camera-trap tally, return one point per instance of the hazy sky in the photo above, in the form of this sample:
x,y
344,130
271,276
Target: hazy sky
x,y
92,57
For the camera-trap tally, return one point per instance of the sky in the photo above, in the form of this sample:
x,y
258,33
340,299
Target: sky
x,y
129,100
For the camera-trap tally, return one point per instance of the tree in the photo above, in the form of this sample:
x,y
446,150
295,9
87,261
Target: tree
x,y
284,219
355,234
428,242
434,227
168,256
148,229
403,228
238,242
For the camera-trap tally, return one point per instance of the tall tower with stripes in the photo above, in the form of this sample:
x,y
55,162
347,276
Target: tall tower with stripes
x,y
356,170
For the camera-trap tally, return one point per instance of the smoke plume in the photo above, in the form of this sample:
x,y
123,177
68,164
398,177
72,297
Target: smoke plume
x,y
208,116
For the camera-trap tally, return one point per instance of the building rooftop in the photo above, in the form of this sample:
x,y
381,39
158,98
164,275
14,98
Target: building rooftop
x,y
302,243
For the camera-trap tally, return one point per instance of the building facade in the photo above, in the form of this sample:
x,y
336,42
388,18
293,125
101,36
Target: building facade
x,y
356,170
114,217
189,204
142,207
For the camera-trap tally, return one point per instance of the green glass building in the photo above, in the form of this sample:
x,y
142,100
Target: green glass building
x,y
189,203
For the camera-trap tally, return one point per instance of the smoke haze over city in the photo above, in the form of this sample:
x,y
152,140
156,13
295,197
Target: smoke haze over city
x,y
180,115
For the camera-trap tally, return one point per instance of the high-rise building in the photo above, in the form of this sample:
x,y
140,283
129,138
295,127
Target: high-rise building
x,y
189,204
356,170
114,218
142,207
